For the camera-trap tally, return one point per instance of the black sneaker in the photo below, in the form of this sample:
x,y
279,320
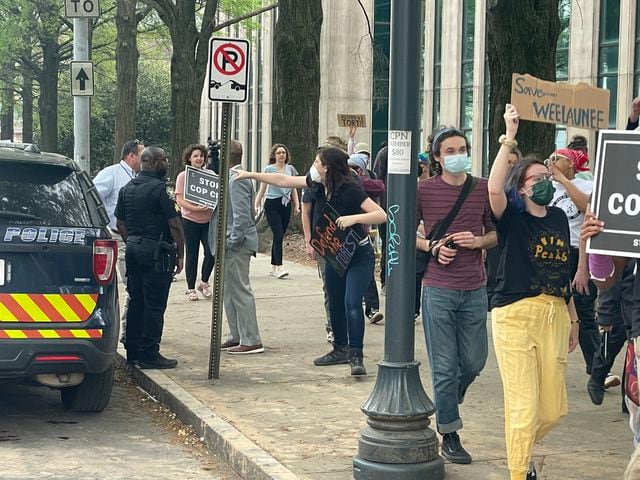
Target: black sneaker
x,y
337,356
453,450
596,391
355,360
158,363
531,474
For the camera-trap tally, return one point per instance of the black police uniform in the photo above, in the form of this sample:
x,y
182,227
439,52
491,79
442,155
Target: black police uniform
x,y
145,207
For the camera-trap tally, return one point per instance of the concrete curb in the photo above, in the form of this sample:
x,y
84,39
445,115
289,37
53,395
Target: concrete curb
x,y
249,460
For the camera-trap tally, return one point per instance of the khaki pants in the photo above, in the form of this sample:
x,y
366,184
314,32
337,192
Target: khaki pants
x,y
531,339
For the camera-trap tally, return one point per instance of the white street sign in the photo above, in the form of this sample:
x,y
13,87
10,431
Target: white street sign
x,y
229,70
81,8
82,79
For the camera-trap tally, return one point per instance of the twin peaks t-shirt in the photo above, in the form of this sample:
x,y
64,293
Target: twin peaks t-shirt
x,y
534,256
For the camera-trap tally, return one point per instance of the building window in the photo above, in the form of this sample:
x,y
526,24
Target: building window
x,y
381,50
608,52
437,65
562,60
466,91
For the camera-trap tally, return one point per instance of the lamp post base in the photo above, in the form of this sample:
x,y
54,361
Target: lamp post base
x,y
366,470
398,444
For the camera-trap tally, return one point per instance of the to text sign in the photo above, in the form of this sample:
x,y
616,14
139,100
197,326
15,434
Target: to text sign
x,y
336,246
81,8
580,106
201,187
399,152
82,79
228,70
352,120
616,194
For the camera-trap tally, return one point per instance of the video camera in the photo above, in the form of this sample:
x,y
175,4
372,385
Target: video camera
x,y
214,155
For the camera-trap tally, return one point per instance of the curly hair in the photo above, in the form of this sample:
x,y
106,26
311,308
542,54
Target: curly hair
x,y
272,153
186,154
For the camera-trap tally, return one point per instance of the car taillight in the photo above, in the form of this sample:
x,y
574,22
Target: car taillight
x,y
105,255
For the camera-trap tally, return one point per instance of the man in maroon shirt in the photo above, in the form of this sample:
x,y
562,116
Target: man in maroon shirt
x,y
454,296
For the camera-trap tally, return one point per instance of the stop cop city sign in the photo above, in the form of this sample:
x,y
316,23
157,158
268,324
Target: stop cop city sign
x,y
228,70
616,194
201,187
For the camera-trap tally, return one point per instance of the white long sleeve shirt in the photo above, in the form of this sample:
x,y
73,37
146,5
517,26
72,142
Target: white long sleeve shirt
x,y
108,182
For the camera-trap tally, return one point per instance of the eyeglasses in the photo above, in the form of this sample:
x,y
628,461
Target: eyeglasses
x,y
553,158
538,177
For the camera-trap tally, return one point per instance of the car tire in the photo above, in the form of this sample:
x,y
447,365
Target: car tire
x,y
90,396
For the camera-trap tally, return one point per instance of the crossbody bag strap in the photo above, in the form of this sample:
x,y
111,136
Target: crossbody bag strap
x,y
438,230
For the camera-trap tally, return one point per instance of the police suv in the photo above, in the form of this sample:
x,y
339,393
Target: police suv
x,y
59,314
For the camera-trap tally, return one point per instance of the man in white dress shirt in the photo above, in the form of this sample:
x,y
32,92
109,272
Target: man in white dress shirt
x,y
108,182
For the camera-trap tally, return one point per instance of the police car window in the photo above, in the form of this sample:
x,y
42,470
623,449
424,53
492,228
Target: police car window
x,y
40,194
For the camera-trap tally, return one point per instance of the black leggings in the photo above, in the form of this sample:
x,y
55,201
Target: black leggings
x,y
194,234
278,217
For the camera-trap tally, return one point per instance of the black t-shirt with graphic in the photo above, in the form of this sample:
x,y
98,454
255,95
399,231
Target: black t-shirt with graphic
x,y
534,256
346,201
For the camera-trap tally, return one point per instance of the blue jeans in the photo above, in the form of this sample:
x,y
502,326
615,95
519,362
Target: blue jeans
x,y
455,326
345,298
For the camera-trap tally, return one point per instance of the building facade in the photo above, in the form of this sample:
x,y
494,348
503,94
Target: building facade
x,y
599,44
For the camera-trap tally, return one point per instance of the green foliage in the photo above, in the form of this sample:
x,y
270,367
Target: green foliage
x,y
154,97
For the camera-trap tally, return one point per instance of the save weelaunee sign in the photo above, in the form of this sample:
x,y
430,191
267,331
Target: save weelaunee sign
x,y
201,186
616,194
336,246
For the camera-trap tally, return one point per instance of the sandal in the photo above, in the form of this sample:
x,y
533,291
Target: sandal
x,y
191,295
203,288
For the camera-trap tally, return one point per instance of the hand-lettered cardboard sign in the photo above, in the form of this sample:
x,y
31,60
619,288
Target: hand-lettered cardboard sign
x,y
336,246
352,120
580,106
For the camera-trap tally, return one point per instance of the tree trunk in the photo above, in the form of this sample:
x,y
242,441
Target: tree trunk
x,y
7,101
186,89
48,101
127,75
27,108
521,38
296,94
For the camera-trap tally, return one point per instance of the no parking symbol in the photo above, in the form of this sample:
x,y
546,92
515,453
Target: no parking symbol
x,y
228,69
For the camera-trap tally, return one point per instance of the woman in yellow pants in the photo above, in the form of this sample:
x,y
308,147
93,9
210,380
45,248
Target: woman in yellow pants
x,y
534,319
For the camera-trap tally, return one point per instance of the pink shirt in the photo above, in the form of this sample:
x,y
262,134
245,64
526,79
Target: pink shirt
x,y
435,200
197,216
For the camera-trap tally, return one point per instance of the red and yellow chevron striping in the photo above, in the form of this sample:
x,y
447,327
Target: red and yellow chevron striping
x,y
50,333
47,307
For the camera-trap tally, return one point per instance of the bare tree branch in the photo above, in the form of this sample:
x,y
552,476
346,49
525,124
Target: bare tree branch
x,y
233,21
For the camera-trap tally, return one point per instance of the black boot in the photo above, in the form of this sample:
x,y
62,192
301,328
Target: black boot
x,y
531,474
596,391
355,360
337,356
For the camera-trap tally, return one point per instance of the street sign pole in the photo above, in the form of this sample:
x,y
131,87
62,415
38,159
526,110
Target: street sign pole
x,y
81,105
218,275
398,443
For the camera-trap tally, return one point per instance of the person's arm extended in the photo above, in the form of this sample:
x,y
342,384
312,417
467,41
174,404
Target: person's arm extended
x,y
277,179
306,228
500,168
175,227
373,215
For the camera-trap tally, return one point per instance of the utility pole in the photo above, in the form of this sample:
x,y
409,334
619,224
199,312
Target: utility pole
x,y
81,104
398,443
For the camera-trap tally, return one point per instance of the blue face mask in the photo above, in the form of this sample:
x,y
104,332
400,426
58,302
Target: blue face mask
x,y
457,163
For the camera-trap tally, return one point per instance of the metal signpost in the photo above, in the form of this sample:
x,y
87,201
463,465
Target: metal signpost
x,y
398,443
81,11
228,77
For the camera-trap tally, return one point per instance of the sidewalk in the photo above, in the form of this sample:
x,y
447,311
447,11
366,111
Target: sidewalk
x,y
308,418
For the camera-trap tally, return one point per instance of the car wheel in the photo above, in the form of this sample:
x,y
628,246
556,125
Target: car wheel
x,y
92,395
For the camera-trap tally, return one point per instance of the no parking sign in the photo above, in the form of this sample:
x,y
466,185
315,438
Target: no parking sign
x,y
228,69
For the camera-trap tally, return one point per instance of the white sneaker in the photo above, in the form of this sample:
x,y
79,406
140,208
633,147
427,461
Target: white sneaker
x,y
281,273
273,273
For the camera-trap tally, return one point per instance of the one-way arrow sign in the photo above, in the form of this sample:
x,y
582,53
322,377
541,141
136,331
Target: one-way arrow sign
x,y
82,79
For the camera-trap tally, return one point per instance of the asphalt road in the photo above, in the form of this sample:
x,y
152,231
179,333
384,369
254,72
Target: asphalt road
x,y
134,438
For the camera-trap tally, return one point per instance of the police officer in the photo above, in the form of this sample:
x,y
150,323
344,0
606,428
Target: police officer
x,y
148,221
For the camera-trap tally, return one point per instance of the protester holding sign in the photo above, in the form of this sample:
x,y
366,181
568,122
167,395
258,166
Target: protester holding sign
x,y
534,319
571,196
277,206
342,207
195,223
